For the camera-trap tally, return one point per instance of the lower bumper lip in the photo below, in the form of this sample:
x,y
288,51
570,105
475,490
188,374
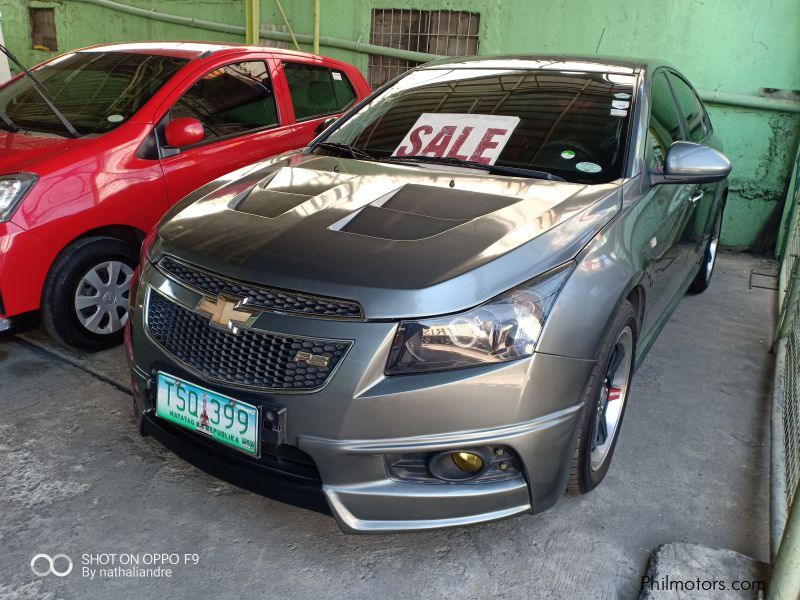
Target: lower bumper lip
x,y
296,489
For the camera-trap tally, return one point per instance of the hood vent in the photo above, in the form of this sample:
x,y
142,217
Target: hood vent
x,y
269,203
415,212
287,189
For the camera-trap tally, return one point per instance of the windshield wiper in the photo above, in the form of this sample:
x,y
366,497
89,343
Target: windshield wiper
x,y
345,148
471,164
42,92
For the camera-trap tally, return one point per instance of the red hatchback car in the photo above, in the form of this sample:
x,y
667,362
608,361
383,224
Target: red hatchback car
x,y
146,123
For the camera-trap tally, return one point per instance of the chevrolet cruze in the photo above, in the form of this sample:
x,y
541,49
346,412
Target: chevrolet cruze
x,y
430,316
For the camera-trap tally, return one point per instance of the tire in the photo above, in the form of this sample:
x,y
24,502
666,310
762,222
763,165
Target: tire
x,y
703,278
591,460
68,284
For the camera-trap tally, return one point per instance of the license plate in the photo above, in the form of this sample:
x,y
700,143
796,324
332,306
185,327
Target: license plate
x,y
221,418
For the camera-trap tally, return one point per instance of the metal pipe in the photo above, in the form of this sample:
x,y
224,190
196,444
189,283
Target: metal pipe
x,y
747,101
723,98
279,36
286,22
252,21
315,45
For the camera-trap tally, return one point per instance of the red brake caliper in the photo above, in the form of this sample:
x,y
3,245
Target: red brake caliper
x,y
614,393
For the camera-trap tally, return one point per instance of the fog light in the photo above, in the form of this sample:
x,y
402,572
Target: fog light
x,y
467,461
478,464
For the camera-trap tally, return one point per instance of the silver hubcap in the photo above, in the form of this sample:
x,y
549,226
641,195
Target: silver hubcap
x,y
613,396
101,300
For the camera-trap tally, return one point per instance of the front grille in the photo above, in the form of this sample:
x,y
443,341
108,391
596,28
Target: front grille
x,y
262,297
249,357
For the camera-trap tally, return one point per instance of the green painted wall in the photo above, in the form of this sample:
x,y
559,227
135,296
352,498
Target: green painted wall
x,y
737,46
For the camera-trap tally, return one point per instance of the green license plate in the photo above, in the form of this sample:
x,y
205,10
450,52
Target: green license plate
x,y
221,418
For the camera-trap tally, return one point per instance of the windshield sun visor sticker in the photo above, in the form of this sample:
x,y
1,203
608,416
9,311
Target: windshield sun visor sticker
x,y
616,112
620,103
588,167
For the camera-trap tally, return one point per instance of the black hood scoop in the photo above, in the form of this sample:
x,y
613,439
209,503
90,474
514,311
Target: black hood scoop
x,y
286,189
415,212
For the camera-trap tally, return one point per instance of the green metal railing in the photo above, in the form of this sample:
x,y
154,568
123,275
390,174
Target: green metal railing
x,y
785,476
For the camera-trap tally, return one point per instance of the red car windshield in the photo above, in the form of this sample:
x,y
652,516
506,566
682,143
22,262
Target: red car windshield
x,y
96,91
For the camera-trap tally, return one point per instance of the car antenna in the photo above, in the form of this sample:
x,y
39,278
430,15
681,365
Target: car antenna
x,y
42,92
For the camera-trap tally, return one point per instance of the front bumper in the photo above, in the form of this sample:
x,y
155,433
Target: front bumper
x,y
24,263
347,429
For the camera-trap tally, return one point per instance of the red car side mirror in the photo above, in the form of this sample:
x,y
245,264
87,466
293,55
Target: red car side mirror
x,y
184,131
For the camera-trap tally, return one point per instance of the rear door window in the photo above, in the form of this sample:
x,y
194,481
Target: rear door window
x,y
692,111
230,100
317,91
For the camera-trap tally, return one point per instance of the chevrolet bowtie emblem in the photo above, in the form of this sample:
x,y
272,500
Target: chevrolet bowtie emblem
x,y
228,313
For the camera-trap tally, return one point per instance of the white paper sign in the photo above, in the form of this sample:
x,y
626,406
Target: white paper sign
x,y
477,138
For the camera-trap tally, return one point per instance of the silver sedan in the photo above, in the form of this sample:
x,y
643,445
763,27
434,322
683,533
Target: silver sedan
x,y
430,317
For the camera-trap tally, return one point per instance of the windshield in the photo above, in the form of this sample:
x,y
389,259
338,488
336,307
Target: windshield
x,y
570,124
96,91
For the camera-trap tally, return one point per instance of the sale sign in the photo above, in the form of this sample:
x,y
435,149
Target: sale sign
x,y
477,138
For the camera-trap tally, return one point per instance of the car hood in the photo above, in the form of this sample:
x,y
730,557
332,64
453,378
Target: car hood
x,y
21,152
402,240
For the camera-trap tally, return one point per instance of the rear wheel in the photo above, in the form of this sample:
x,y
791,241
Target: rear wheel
x,y
604,399
85,303
703,278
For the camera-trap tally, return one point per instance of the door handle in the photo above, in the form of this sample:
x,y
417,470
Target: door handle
x,y
695,196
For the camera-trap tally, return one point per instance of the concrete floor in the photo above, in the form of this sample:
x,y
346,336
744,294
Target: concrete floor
x,y
691,465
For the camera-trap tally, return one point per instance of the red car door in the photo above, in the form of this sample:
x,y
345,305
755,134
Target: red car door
x,y
245,119
317,91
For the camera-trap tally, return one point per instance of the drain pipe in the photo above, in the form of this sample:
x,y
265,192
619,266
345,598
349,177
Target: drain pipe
x,y
316,27
721,98
746,101
252,21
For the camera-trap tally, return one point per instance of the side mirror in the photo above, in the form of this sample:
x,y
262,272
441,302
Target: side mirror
x,y
687,162
324,125
184,131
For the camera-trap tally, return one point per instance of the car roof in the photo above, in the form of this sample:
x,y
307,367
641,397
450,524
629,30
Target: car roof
x,y
574,62
191,49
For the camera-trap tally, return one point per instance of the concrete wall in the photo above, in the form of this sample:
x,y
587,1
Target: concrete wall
x,y
737,46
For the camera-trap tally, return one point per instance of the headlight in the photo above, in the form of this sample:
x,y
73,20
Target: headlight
x,y
502,329
13,189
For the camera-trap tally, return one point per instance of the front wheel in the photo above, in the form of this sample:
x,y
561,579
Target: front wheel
x,y
85,300
604,401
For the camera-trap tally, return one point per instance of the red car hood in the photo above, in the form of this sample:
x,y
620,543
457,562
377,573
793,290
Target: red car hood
x,y
20,152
